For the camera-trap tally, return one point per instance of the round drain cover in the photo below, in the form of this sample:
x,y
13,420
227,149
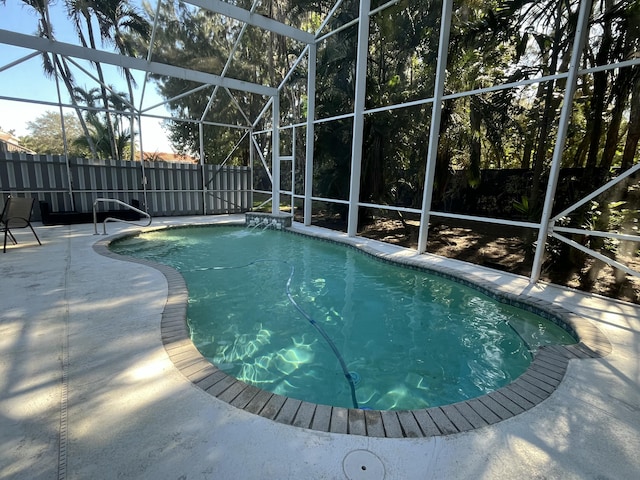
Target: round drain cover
x,y
363,465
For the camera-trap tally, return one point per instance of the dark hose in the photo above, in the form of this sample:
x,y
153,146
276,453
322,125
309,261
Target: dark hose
x,y
315,324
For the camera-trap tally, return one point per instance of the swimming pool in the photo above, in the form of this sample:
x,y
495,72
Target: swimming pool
x,y
444,342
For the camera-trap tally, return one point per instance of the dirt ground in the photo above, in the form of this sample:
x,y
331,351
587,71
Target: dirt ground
x,y
508,249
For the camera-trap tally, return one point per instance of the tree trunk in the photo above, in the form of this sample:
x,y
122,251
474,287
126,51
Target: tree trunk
x,y
527,151
633,130
541,149
372,185
596,120
443,157
103,91
550,106
581,152
66,78
613,132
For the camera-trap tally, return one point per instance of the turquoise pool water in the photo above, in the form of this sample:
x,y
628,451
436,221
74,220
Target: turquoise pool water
x,y
328,324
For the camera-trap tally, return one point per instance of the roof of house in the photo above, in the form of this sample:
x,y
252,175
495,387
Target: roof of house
x,y
10,143
167,157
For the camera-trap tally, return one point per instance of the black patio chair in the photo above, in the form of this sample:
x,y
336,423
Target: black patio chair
x,y
16,214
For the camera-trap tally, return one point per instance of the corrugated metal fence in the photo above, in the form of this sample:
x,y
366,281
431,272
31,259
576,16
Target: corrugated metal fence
x,y
172,188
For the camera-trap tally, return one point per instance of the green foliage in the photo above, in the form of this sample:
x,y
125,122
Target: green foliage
x,y
198,40
522,206
491,43
109,134
101,137
45,135
114,22
527,209
592,216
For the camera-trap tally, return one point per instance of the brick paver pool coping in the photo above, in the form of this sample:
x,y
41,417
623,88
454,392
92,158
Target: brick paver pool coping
x,y
538,382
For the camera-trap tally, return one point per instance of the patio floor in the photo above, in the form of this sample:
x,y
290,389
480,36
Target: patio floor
x,y
87,390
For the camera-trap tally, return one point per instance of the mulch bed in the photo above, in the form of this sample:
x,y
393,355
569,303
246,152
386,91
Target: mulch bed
x,y
508,249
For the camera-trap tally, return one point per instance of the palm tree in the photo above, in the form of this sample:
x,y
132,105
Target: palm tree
x,y
56,65
101,137
101,132
81,12
118,22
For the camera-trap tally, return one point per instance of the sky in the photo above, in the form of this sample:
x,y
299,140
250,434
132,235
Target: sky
x,y
26,80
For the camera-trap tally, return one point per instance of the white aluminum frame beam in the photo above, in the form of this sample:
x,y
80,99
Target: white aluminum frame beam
x,y
19,61
202,171
597,192
275,155
177,97
579,39
362,54
350,23
235,147
597,233
310,135
152,42
110,88
598,255
254,19
235,103
328,18
293,170
261,156
67,49
478,91
434,131
226,68
262,112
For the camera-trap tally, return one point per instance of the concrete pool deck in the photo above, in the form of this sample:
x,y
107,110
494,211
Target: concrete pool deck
x,y
87,389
